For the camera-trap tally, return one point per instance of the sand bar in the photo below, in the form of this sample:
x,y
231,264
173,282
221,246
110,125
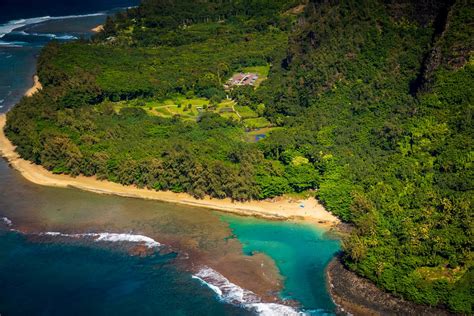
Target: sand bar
x,y
309,210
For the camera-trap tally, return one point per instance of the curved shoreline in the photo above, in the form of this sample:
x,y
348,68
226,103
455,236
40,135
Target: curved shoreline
x,y
358,296
276,209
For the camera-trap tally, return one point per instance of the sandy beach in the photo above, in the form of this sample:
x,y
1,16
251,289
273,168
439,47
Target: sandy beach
x,y
98,28
35,88
280,208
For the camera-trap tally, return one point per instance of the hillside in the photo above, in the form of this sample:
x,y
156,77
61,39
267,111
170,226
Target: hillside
x,y
396,162
368,105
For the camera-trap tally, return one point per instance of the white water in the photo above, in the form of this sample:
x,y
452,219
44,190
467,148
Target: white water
x,y
7,221
111,237
234,294
49,35
15,24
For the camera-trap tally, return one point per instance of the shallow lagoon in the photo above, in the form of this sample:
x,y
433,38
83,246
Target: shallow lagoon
x,y
270,259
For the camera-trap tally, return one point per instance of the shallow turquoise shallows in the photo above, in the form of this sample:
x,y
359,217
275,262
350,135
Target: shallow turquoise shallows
x,y
301,252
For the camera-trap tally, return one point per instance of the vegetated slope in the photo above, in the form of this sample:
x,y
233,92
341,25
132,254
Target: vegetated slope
x,y
372,99
398,166
72,127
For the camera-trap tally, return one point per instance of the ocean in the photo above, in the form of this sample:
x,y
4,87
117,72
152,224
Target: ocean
x,y
69,252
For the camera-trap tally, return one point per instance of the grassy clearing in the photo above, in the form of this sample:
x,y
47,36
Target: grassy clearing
x,y
246,112
252,135
258,122
188,109
261,71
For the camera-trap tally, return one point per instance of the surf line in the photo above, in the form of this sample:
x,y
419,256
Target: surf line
x,y
233,294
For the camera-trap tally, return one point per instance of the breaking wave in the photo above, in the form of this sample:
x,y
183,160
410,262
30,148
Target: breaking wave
x,y
234,294
7,221
49,35
12,44
15,24
110,237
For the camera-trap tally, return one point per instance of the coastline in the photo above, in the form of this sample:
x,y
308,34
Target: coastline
x,y
98,28
276,209
35,88
358,296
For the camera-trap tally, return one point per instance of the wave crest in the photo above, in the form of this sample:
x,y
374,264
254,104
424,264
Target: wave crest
x,y
234,294
111,237
16,24
7,221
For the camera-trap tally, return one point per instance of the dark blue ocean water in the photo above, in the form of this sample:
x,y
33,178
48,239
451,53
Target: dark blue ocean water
x,y
21,9
58,279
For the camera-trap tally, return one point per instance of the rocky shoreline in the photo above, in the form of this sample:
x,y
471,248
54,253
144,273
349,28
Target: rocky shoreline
x,y
356,296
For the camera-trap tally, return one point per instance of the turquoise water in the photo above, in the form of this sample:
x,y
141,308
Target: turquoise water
x,y
301,252
55,275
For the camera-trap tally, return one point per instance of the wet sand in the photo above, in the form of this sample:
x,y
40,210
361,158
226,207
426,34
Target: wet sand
x,y
280,208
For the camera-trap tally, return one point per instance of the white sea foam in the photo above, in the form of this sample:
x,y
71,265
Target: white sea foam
x,y
234,294
111,237
15,24
7,221
11,44
272,309
149,242
49,35
66,37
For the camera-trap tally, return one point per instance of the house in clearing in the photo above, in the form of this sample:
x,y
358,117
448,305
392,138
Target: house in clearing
x,y
241,79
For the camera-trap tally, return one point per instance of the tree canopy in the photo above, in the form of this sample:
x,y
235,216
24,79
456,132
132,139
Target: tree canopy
x,y
370,104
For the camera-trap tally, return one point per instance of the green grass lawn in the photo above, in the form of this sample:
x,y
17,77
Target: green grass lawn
x,y
261,71
187,108
259,122
246,112
250,136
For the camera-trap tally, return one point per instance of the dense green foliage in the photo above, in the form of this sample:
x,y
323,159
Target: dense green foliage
x,y
398,166
373,101
72,127
123,72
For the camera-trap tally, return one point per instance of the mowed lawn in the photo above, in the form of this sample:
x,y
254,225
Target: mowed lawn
x,y
261,71
190,109
187,109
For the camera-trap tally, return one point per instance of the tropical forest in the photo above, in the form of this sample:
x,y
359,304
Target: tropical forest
x,y
365,105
